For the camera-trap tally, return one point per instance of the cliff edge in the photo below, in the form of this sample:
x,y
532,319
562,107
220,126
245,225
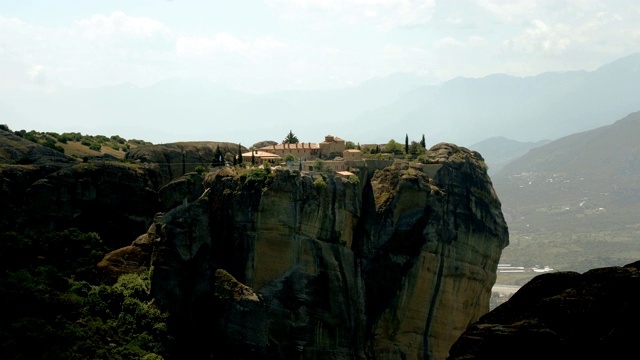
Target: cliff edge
x,y
393,263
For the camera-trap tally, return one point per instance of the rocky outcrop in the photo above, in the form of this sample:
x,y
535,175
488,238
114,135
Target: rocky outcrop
x,y
111,198
23,162
132,259
16,150
42,189
393,265
170,161
563,315
185,189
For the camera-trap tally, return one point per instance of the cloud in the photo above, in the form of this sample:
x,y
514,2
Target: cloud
x,y
543,37
588,28
513,10
36,74
382,13
102,27
98,50
199,47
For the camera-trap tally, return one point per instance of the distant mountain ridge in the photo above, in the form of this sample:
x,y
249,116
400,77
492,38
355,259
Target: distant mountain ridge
x,y
463,111
575,201
547,106
499,151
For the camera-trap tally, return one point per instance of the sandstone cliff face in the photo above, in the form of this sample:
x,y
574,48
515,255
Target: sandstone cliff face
x,y
116,200
395,265
563,315
170,161
185,189
42,189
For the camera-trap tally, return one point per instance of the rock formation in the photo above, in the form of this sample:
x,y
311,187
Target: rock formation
x,y
170,161
111,198
393,263
42,189
286,264
562,315
23,162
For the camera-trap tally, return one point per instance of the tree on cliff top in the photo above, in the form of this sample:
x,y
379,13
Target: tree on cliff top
x,y
393,147
217,157
406,143
291,138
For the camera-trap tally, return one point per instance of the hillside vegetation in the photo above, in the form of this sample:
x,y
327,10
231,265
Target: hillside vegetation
x,y
62,309
79,146
573,204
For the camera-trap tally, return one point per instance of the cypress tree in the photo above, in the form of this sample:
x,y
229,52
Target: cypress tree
x,y
217,157
239,154
406,143
424,144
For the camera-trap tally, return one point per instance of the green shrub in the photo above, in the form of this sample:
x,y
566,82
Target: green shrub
x,y
118,139
133,285
318,165
54,146
201,170
30,136
256,175
319,184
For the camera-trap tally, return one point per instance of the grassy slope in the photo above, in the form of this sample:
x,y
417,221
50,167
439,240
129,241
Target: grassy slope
x,y
573,204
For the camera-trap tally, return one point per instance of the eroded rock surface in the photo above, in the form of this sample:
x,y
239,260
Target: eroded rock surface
x,y
23,162
395,265
170,161
563,315
116,200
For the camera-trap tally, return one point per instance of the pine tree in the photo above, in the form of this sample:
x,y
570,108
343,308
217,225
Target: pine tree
x,y
291,138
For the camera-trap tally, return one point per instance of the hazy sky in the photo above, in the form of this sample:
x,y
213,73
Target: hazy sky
x,y
267,45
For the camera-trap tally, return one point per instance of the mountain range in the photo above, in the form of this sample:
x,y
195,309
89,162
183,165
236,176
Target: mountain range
x,y
573,203
464,111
